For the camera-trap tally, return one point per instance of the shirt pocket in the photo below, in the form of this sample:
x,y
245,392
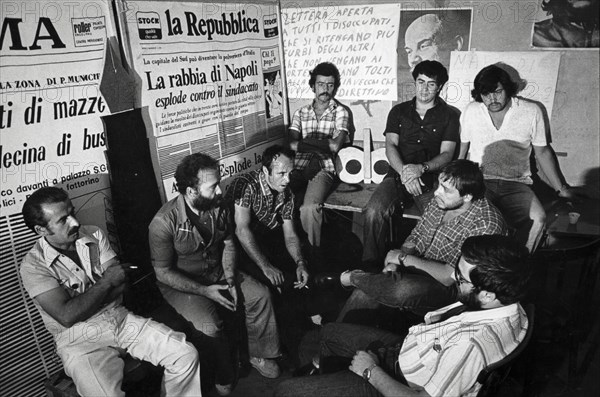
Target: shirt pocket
x,y
186,243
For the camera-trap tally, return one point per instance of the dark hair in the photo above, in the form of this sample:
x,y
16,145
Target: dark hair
x,y
186,174
487,81
465,176
273,152
33,213
325,69
433,70
501,266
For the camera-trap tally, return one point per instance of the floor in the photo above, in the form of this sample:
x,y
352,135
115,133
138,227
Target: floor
x,y
544,367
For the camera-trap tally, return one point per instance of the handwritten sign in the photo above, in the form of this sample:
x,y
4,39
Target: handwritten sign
x,y
359,40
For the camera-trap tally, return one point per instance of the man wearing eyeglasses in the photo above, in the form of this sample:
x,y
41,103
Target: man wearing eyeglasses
x,y
420,138
500,131
443,356
317,132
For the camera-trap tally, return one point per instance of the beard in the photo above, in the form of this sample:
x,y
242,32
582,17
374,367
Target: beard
x,y
204,204
469,299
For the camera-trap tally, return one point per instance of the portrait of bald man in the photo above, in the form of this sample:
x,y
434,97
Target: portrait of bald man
x,y
433,34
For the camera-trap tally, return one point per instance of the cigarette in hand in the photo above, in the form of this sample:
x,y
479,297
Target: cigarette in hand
x,y
133,267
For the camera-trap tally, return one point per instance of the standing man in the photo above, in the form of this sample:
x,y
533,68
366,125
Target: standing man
x,y
263,208
499,131
421,136
317,133
194,256
418,276
76,282
443,356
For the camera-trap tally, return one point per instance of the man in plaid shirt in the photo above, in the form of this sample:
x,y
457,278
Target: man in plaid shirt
x,y
317,132
419,274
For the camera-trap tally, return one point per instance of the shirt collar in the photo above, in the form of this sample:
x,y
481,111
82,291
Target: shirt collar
x,y
474,315
332,104
262,179
51,254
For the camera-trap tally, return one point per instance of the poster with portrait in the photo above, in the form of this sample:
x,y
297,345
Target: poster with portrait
x,y
430,34
565,24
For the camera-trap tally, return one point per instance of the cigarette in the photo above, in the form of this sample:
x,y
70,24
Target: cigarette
x,y
133,267
306,286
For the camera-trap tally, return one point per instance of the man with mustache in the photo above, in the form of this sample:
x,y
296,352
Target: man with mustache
x,y
444,355
76,282
317,132
194,256
263,210
420,139
418,276
499,131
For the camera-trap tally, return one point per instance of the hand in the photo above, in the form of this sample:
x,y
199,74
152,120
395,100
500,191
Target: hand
x,y
233,292
301,277
392,257
361,361
414,187
213,292
410,172
115,274
274,275
390,268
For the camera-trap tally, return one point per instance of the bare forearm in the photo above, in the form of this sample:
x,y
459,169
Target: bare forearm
x,y
549,167
388,386
179,281
439,161
394,158
82,307
250,245
229,261
292,243
442,272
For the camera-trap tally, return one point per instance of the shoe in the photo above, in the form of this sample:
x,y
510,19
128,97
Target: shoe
x,y
266,367
224,390
327,280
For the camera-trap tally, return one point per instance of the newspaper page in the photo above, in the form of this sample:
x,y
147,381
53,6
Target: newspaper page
x,y
210,78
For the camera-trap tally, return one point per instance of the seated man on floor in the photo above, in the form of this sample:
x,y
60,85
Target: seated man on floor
x,y
76,282
263,210
443,356
194,256
419,274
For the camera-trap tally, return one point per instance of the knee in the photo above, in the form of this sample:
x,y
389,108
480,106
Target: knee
x,y
538,215
188,357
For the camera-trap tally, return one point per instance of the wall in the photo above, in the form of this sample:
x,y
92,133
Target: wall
x,y
507,26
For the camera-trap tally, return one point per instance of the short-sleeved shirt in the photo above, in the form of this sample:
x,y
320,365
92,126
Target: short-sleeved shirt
x,y
44,268
464,345
333,121
420,140
504,153
176,242
251,190
442,241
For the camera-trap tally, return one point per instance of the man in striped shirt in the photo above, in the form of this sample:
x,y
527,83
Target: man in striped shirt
x,y
443,356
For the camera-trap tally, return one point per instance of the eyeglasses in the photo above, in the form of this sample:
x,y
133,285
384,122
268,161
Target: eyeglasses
x,y
322,84
459,277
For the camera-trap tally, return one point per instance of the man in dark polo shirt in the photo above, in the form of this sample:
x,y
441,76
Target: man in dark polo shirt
x,y
420,139
263,206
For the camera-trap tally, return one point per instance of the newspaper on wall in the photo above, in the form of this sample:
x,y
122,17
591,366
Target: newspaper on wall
x,y
209,75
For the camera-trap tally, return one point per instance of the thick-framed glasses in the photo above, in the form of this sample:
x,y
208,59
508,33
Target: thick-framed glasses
x,y
322,84
459,277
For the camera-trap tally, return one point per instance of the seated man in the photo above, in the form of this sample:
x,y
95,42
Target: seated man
x,y
76,282
420,138
443,356
194,256
500,131
263,206
426,261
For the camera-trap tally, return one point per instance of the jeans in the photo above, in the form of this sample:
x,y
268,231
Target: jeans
x,y
311,210
387,200
521,209
90,355
344,340
405,288
263,337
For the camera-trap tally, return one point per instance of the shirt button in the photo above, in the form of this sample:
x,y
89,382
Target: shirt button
x,y
418,141
421,126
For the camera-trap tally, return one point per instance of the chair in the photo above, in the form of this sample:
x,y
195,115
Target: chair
x,y
492,376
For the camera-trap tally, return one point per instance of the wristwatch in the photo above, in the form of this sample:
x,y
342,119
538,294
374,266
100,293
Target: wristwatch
x,y
401,257
425,167
367,372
